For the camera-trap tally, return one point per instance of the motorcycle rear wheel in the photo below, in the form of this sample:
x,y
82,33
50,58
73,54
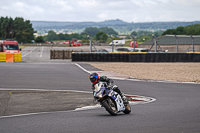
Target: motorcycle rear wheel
x,y
110,108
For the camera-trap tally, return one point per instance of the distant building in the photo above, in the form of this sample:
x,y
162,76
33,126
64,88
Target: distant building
x,y
169,43
123,37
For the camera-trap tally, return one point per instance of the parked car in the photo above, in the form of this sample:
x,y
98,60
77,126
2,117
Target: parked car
x,y
106,50
124,49
140,50
129,49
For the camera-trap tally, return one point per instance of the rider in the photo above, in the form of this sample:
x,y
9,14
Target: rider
x,y
95,78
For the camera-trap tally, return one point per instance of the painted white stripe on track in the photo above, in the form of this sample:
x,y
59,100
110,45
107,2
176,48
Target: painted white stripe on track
x,y
90,72
29,52
16,89
29,114
82,68
41,52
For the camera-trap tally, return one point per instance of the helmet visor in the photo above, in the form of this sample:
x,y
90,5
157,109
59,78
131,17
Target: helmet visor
x,y
93,79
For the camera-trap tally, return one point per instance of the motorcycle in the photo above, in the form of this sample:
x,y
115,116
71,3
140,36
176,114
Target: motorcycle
x,y
110,99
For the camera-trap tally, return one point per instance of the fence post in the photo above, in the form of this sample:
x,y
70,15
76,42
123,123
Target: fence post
x,y
192,42
90,43
54,54
112,44
176,42
133,37
155,45
63,54
50,54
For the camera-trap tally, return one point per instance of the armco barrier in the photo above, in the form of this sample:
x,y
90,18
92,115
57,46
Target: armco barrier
x,y
135,57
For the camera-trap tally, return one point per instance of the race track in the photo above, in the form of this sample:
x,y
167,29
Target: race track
x,y
176,108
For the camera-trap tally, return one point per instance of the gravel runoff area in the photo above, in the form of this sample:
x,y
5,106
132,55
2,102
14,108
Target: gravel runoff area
x,y
181,72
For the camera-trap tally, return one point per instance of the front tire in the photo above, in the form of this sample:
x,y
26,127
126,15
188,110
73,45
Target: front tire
x,y
110,107
127,109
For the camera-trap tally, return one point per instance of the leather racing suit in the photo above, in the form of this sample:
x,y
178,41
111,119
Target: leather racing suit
x,y
110,85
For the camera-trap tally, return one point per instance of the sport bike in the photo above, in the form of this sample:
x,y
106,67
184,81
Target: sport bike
x,y
110,99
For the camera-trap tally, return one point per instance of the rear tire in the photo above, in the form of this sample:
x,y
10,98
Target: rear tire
x,y
127,109
110,108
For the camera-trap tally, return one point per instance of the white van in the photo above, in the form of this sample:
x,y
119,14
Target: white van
x,y
118,42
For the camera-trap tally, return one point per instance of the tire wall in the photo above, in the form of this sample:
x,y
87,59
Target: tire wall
x,y
135,57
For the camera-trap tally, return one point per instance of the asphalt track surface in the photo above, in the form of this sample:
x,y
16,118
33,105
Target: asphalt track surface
x,y
176,108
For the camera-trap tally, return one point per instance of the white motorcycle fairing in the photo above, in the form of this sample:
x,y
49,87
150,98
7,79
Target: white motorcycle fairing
x,y
114,95
118,100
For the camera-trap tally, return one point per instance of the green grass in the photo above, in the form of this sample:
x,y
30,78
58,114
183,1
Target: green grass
x,y
22,47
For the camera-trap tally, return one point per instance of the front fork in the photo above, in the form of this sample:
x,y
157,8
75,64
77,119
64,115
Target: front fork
x,y
108,100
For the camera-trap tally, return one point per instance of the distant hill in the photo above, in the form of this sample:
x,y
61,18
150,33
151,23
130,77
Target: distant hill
x,y
37,24
118,25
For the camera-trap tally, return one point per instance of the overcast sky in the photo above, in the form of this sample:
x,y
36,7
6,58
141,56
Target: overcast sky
x,y
101,10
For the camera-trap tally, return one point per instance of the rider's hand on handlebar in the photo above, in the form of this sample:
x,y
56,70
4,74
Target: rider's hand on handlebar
x,y
109,86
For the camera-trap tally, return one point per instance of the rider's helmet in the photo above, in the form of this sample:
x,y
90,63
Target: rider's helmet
x,y
94,78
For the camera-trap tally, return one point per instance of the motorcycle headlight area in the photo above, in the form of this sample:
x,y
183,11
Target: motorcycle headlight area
x,y
99,94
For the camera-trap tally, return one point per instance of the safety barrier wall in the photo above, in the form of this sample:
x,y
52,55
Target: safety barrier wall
x,y
18,57
136,57
10,57
2,57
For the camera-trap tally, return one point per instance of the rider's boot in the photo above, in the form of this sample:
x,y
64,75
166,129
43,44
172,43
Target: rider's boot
x,y
125,101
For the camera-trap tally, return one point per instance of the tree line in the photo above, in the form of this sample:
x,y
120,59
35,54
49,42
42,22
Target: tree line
x,y
187,30
102,34
95,30
52,36
17,29
98,35
142,36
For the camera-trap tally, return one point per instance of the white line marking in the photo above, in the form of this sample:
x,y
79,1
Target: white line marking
x,y
29,52
82,68
89,107
90,72
29,114
41,52
8,89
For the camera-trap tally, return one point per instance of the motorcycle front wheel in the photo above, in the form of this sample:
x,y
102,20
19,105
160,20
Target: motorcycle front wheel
x,y
109,105
127,109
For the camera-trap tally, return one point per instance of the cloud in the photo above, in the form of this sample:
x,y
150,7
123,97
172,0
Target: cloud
x,y
100,10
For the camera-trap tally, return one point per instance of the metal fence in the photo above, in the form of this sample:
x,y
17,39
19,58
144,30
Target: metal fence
x,y
173,43
63,54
